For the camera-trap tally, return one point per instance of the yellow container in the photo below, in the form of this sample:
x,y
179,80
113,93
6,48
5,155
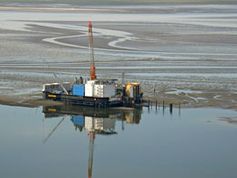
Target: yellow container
x,y
129,89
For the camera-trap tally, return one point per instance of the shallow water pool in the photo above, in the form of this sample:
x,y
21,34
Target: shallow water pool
x,y
80,142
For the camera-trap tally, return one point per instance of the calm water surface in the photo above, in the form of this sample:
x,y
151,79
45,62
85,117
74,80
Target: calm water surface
x,y
50,142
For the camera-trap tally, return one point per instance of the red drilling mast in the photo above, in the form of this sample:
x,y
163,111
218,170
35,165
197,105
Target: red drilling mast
x,y
91,51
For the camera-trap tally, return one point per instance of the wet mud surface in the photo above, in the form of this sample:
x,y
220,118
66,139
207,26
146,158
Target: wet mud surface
x,y
180,54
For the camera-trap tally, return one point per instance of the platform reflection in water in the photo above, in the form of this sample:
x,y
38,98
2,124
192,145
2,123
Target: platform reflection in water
x,y
94,121
122,143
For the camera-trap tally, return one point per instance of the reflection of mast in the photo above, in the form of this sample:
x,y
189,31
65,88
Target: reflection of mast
x,y
101,126
91,147
91,152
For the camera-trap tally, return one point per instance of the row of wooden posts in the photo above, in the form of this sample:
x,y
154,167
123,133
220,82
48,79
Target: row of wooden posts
x,y
156,105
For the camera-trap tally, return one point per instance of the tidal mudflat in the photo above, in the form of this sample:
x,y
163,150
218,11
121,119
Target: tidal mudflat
x,y
168,48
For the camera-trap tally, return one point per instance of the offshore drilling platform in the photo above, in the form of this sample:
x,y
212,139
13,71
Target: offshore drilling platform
x,y
95,92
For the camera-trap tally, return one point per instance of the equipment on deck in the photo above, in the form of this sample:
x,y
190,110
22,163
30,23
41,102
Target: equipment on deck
x,y
94,92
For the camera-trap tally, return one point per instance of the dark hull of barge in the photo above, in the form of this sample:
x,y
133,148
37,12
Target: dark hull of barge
x,y
85,101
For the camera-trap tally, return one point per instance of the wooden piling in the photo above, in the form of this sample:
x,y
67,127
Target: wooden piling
x,y
171,108
148,105
179,109
163,107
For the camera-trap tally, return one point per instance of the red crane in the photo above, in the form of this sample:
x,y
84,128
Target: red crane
x,y
91,52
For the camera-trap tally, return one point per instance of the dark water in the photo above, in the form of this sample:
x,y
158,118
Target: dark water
x,y
190,143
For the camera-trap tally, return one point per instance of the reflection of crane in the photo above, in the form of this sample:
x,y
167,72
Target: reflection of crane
x,y
101,126
91,52
91,153
91,134
53,130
